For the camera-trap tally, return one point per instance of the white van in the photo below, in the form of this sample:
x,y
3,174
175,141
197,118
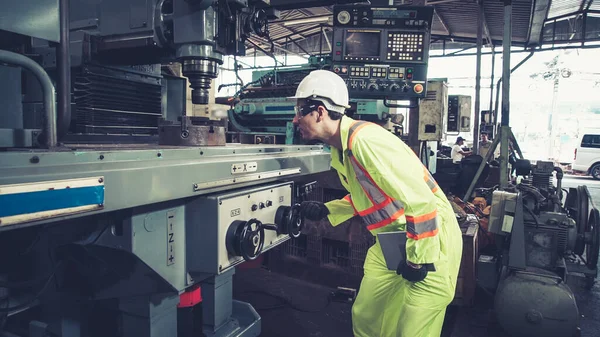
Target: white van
x,y
587,154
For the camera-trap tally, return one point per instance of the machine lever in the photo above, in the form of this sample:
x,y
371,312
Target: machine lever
x,y
271,227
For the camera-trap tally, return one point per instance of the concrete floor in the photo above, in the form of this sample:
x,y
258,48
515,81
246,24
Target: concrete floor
x,y
294,308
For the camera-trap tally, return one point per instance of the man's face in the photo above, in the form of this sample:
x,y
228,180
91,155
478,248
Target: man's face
x,y
306,119
484,137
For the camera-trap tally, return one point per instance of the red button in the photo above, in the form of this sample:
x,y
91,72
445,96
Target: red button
x,y
338,53
418,88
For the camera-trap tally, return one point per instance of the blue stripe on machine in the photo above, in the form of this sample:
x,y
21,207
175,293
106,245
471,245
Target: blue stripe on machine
x,y
279,108
41,201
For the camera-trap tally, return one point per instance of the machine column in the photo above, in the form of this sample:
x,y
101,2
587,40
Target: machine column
x,y
152,316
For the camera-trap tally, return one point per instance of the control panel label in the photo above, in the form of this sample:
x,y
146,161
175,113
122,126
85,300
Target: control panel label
x,y
170,238
244,168
236,212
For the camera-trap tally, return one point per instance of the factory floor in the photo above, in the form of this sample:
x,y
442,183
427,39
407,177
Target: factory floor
x,y
293,308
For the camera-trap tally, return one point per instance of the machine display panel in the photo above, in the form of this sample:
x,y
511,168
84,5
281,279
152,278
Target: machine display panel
x,y
362,43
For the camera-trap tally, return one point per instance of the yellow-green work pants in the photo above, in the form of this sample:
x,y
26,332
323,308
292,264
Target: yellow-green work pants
x,y
387,305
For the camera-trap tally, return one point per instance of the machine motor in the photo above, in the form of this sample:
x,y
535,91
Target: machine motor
x,y
542,242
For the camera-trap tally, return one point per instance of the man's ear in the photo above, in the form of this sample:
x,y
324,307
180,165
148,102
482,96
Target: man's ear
x,y
321,112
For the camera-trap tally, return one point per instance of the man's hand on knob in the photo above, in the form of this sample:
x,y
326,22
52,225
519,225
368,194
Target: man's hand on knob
x,y
313,210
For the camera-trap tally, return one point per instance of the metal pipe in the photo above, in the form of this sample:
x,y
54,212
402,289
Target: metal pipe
x,y
478,77
63,67
500,81
506,46
47,89
559,177
492,81
587,46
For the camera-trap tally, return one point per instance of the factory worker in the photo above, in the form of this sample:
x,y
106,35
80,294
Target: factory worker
x,y
391,191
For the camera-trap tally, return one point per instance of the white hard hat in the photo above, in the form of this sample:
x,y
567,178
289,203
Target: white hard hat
x,y
325,85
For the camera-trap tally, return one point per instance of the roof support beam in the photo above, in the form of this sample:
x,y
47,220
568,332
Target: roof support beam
x,y
437,2
442,21
275,45
298,4
486,29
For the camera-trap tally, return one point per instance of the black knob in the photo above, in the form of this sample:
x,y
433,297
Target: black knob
x,y
394,87
405,88
261,205
254,207
269,203
372,87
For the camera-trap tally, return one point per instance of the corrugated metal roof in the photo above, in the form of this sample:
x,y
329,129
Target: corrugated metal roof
x,y
564,7
455,19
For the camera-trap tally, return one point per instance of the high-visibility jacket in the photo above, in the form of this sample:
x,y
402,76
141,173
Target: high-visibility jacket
x,y
388,187
391,190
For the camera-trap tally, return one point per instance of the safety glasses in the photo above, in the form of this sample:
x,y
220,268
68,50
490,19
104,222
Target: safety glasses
x,y
307,108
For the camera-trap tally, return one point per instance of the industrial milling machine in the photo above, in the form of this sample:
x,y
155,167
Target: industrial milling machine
x,y
120,214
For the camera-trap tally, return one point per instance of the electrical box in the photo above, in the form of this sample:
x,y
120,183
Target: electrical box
x,y
458,118
431,111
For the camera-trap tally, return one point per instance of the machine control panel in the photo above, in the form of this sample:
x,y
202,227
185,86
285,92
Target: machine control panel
x,y
382,52
240,225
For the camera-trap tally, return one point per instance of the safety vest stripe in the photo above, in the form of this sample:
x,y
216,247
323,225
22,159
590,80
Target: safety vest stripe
x,y
387,221
422,236
366,182
384,213
375,207
422,218
422,226
430,181
353,131
385,210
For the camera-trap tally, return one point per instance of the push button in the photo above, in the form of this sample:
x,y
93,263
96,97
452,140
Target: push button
x,y
418,88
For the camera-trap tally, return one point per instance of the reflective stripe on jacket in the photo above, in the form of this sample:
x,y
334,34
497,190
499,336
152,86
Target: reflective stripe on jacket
x,y
389,187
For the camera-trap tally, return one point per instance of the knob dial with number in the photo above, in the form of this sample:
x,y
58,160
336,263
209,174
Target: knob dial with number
x,y
343,17
395,87
372,87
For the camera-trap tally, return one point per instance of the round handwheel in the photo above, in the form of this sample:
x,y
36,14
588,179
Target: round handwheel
x,y
592,242
246,239
294,221
289,221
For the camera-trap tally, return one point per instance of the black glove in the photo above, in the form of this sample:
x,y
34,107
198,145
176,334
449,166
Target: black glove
x,y
411,274
313,210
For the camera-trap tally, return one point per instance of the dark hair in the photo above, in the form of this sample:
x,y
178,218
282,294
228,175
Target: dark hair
x,y
334,115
